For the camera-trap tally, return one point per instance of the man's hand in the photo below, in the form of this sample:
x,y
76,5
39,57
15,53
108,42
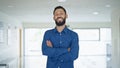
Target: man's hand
x,y
68,49
49,44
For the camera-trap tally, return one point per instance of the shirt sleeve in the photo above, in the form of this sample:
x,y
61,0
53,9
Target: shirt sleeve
x,y
51,51
74,51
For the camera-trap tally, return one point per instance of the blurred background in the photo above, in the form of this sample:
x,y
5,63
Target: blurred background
x,y
23,23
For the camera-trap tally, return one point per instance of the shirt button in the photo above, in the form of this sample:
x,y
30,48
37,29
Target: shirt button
x,y
60,42
61,60
60,34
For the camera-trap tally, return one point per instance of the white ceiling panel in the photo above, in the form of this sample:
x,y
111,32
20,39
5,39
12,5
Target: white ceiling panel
x,y
78,10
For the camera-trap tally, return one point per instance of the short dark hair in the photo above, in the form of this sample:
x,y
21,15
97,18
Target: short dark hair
x,y
59,7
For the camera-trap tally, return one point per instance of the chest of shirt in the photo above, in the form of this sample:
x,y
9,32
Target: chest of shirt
x,y
61,40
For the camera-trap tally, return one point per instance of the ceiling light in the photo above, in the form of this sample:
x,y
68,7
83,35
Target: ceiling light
x,y
61,0
108,5
10,6
95,13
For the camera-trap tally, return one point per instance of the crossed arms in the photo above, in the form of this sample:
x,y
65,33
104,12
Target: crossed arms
x,y
49,44
65,54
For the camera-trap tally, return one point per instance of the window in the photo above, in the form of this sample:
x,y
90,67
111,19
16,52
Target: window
x,y
32,52
95,48
1,33
1,36
88,34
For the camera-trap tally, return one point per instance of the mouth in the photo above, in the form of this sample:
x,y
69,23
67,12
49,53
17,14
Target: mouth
x,y
59,19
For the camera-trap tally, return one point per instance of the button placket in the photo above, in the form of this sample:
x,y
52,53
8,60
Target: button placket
x,y
60,39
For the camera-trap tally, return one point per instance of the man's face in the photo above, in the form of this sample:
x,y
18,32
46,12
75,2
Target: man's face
x,y
60,17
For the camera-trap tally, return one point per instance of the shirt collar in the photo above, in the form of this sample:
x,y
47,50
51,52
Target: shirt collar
x,y
64,30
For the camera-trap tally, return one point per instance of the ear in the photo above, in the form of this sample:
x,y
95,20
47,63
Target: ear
x,y
53,17
66,15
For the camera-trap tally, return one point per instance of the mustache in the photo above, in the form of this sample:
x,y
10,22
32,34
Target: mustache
x,y
59,17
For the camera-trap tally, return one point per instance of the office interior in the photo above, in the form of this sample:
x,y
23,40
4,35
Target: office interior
x,y
23,23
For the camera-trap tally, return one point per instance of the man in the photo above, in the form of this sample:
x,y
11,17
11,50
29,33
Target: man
x,y
60,44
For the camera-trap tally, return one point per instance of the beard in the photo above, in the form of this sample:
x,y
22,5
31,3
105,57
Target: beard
x,y
60,23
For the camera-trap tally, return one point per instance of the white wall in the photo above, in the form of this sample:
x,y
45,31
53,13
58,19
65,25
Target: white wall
x,y
116,38
71,24
10,49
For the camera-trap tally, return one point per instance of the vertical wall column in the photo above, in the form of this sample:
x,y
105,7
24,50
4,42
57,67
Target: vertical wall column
x,y
116,39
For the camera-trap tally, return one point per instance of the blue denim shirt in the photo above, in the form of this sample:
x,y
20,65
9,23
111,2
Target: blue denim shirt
x,y
58,55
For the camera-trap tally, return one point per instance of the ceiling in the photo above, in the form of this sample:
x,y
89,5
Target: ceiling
x,y
78,10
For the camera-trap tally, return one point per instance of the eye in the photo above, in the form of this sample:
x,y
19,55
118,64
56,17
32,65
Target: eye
x,y
56,14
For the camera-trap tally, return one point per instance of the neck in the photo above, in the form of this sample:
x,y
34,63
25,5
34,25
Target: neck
x,y
60,28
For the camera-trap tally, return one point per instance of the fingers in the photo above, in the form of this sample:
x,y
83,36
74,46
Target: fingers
x,y
49,44
68,49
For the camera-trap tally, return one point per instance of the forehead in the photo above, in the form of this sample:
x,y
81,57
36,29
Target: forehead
x,y
59,10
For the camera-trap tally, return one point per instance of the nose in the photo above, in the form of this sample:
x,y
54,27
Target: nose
x,y
59,16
